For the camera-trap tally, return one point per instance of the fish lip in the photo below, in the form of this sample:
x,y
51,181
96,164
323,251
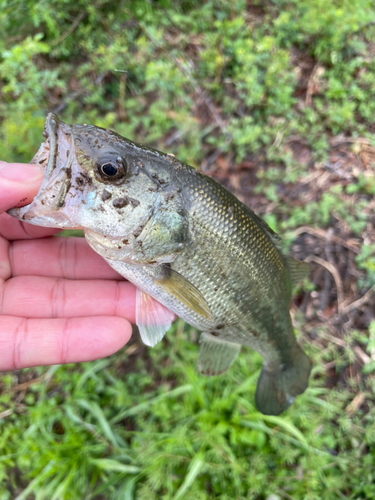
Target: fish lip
x,y
51,126
52,171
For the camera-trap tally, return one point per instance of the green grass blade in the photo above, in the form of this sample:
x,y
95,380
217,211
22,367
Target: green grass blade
x,y
78,420
91,370
288,426
35,482
144,406
108,464
196,466
97,413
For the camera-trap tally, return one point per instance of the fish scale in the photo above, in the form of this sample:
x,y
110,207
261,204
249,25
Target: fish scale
x,y
250,249
186,242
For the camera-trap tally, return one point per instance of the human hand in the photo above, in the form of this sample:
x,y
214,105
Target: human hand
x,y
60,302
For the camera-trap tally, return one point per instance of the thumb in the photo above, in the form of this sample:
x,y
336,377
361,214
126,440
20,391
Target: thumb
x,y
19,183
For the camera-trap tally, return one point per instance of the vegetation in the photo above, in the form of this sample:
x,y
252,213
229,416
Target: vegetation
x,y
276,100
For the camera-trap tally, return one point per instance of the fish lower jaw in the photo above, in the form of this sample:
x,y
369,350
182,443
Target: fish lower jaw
x,y
113,249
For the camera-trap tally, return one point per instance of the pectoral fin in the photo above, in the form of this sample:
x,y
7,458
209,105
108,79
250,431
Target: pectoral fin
x,y
178,286
152,318
216,355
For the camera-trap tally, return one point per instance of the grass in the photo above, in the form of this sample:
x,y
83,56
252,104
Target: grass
x,y
275,100
165,431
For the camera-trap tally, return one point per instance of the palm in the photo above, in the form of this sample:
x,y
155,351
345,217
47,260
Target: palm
x,y
59,301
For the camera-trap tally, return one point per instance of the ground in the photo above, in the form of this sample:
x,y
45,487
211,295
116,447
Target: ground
x,y
275,100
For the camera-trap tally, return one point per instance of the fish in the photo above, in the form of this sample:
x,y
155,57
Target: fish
x,y
188,244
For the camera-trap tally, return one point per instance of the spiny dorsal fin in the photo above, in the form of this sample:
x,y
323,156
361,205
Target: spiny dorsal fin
x,y
298,270
216,355
178,286
277,241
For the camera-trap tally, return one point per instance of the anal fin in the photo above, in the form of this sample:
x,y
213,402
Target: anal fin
x,y
216,355
152,318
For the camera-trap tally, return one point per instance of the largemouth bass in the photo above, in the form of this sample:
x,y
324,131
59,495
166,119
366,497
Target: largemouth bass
x,y
186,242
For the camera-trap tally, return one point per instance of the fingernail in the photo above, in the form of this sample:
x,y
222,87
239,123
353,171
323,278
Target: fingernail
x,y
20,172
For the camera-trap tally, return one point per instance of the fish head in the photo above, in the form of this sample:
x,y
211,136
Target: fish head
x,y
94,180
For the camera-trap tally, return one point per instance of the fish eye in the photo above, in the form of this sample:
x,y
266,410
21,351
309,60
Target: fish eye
x,y
112,168
109,169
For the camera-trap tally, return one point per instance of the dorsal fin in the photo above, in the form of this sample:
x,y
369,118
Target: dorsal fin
x,y
298,270
277,241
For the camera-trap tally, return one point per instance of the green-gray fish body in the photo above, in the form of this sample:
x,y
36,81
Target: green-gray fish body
x,y
182,239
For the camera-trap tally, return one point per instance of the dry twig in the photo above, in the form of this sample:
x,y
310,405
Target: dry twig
x,y
336,276
343,140
26,385
312,84
362,355
355,404
6,413
358,303
320,233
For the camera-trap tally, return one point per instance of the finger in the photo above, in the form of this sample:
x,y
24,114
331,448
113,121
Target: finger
x,y
70,258
40,297
19,183
13,229
32,342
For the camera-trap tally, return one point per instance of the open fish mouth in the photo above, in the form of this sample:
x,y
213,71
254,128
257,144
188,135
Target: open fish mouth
x,y
48,149
56,157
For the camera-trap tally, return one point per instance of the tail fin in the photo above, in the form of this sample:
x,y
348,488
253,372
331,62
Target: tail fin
x,y
277,389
